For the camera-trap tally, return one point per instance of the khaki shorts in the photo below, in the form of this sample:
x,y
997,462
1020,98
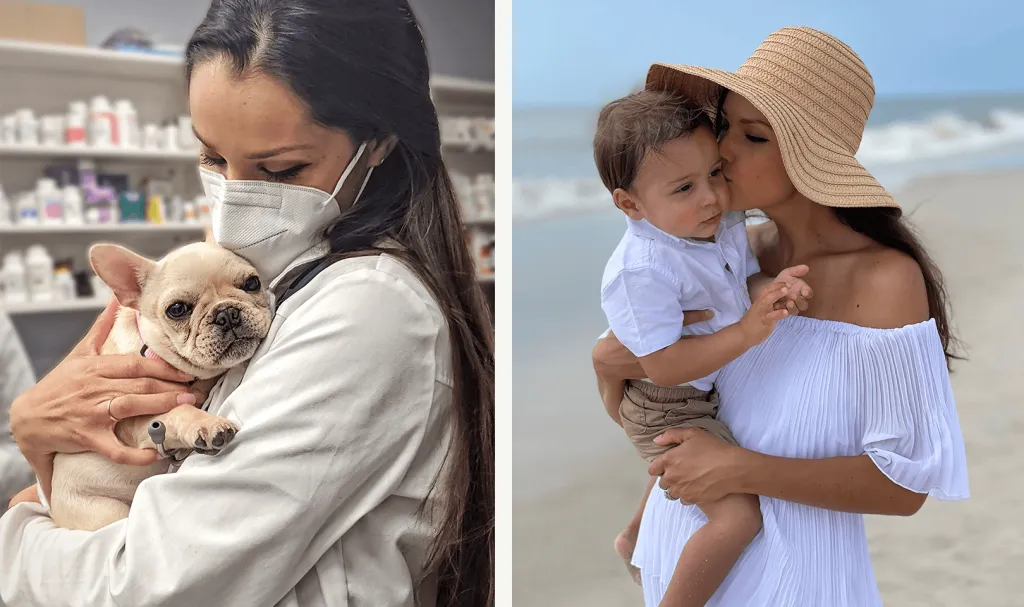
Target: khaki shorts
x,y
648,410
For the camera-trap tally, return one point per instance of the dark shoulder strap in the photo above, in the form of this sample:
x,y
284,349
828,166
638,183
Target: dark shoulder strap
x,y
310,270
306,275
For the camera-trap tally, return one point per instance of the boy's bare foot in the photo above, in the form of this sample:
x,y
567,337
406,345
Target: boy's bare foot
x,y
625,543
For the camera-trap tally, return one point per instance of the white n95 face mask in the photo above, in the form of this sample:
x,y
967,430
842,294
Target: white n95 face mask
x,y
272,224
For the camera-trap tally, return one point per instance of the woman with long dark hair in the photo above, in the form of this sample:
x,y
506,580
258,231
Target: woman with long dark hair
x,y
363,471
844,410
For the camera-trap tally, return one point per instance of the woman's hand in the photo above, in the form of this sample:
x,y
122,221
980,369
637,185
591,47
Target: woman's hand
x,y
701,469
28,494
67,411
613,361
614,364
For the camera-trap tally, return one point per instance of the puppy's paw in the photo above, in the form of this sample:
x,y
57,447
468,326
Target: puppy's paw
x,y
213,435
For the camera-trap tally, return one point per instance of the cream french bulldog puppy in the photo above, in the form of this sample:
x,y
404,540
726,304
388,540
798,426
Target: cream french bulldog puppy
x,y
203,310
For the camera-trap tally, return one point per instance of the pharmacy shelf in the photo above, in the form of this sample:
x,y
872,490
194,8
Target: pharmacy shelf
x,y
101,228
63,151
465,147
465,86
85,61
56,307
479,222
485,279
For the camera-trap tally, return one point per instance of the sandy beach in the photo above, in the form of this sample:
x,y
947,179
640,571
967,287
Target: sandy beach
x,y
577,480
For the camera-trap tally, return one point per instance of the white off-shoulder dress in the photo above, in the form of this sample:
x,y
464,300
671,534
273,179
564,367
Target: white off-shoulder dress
x,y
818,389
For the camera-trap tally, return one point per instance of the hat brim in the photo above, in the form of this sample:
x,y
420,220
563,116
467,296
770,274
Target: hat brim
x,y
820,169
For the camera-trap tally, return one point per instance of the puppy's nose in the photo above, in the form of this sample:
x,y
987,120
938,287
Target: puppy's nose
x,y
228,317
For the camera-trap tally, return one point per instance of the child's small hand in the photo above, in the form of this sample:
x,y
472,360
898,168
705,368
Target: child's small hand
x,y
796,301
759,321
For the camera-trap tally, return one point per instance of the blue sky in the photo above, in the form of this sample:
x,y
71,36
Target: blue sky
x,y
585,52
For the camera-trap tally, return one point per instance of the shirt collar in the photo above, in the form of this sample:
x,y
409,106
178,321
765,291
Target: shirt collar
x,y
645,229
146,350
318,251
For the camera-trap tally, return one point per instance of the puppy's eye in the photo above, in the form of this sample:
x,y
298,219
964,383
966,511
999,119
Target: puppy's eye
x,y
252,284
178,310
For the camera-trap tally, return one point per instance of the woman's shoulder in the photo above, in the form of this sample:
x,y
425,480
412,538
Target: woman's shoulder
x,y
887,289
373,302
355,283
877,301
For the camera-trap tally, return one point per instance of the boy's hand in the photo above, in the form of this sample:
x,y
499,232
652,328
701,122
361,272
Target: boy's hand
x,y
796,301
759,321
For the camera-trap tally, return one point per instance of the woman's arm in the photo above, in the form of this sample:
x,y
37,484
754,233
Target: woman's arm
x,y
614,364
331,417
846,484
703,468
67,411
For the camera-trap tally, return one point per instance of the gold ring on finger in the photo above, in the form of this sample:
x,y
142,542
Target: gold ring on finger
x,y
109,401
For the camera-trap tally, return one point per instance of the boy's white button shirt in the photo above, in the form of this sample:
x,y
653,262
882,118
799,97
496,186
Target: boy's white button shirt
x,y
653,277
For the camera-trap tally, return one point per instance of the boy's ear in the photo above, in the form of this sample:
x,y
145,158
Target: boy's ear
x,y
626,204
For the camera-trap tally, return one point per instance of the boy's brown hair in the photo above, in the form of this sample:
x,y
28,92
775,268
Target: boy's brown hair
x,y
630,128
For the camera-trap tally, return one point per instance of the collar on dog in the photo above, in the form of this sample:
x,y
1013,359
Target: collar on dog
x,y
146,350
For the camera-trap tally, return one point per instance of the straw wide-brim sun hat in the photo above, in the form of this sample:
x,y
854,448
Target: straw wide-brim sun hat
x,y
816,93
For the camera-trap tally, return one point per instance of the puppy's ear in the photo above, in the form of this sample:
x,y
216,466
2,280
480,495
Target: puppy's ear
x,y
123,271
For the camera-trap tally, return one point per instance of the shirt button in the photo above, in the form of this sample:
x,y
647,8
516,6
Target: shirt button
x,y
728,269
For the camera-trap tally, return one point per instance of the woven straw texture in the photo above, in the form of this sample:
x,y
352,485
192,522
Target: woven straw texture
x,y
816,93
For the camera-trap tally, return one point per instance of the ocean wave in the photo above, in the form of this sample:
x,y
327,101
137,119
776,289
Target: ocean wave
x,y
535,198
944,135
894,152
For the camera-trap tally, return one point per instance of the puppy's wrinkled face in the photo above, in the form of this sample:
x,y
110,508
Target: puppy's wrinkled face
x,y
209,304
202,308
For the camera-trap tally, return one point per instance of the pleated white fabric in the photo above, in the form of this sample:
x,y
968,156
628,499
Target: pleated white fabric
x,y
818,389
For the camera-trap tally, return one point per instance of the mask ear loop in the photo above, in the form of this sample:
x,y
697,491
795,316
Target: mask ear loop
x,y
348,171
366,180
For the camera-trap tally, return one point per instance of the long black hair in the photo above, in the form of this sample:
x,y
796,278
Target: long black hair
x,y
360,66
887,227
